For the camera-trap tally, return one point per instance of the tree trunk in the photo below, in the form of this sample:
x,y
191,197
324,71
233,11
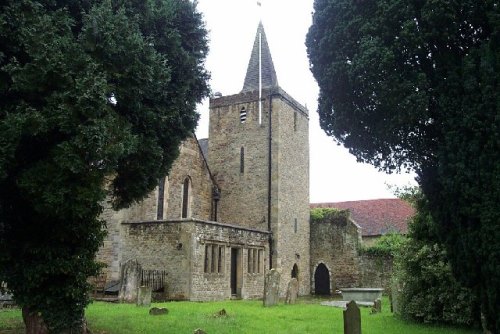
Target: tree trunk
x,y
34,322
35,325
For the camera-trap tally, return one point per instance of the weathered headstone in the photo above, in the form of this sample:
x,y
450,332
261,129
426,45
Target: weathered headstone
x,y
144,296
377,306
130,280
352,319
158,311
292,291
271,288
395,297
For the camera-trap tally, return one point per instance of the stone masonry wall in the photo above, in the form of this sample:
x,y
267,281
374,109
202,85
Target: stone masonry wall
x,y
335,244
376,271
243,193
190,164
244,199
162,245
217,286
179,248
290,208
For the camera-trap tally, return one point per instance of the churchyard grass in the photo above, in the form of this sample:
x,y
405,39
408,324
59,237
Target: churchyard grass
x,y
242,317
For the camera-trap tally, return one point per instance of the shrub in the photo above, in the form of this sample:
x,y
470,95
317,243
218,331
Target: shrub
x,y
329,214
387,245
430,293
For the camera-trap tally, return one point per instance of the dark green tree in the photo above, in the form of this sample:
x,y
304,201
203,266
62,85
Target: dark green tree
x,y
429,292
414,85
95,98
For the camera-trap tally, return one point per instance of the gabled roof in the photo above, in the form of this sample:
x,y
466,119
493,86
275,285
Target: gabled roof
x,y
269,78
376,217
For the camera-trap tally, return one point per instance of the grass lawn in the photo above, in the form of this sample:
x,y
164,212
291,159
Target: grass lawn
x,y
242,317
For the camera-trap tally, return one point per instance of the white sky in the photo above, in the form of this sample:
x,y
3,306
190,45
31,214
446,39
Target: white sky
x,y
334,173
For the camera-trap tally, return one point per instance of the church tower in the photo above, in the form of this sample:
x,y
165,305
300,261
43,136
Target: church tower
x,y
259,155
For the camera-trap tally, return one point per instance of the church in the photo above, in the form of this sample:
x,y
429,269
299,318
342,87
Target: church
x,y
237,204
234,205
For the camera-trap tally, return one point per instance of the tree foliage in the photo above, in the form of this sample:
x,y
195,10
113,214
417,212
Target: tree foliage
x,y
388,245
414,85
429,292
92,93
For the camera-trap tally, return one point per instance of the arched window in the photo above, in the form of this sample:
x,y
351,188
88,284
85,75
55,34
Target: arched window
x,y
162,198
243,115
186,188
295,271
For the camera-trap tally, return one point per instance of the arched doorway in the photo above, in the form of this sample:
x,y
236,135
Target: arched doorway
x,y
322,280
295,271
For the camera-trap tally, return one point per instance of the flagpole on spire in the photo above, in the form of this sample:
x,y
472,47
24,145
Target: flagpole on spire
x,y
260,63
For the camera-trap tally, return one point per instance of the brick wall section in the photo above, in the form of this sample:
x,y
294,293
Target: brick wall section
x,y
376,271
336,244
156,245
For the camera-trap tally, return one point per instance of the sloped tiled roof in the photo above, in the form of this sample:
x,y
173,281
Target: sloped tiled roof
x,y
376,217
269,78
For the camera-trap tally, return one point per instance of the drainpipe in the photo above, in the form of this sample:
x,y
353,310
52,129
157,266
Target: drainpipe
x,y
269,182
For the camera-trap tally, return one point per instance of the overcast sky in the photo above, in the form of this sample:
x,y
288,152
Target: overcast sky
x,y
334,173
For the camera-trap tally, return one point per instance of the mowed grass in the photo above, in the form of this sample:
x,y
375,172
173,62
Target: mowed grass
x,y
242,317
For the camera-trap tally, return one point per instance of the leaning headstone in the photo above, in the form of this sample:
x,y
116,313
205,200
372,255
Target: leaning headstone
x,y
130,280
271,288
158,311
144,296
352,319
292,291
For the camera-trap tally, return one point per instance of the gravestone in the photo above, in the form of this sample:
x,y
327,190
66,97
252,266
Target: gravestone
x,y
144,296
395,297
352,319
130,280
158,311
271,288
377,306
292,292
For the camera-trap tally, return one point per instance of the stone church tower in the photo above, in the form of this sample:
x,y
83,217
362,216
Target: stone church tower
x,y
259,157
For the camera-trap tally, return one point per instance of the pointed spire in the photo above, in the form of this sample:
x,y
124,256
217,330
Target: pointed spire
x,y
269,78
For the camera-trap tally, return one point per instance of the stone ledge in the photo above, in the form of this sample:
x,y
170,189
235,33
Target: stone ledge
x,y
197,221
